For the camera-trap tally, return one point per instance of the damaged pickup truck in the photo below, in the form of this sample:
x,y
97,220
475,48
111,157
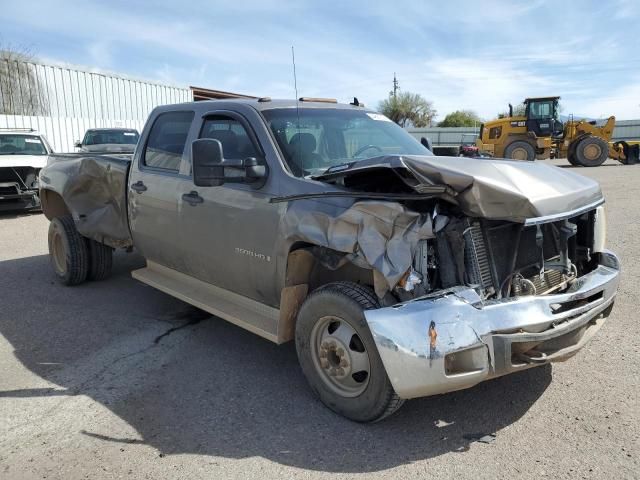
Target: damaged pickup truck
x,y
398,274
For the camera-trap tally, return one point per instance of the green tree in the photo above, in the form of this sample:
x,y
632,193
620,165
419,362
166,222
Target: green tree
x,y
408,109
461,118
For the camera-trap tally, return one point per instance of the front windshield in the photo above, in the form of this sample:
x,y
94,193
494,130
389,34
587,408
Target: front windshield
x,y
21,145
315,139
101,137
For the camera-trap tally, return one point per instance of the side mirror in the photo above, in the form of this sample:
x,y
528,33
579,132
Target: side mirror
x,y
78,144
426,143
210,169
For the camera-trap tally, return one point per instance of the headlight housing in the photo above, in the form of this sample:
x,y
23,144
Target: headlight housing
x,y
599,230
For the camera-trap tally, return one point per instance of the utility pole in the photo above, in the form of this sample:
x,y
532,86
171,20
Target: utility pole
x,y
396,87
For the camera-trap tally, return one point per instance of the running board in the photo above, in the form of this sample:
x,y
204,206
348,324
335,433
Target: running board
x,y
241,311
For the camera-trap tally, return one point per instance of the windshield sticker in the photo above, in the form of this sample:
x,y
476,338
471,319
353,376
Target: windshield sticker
x,y
32,140
378,116
130,134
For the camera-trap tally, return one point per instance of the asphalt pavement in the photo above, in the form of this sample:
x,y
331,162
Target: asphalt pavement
x,y
114,379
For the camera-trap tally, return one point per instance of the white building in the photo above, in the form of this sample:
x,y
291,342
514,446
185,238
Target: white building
x,y
63,101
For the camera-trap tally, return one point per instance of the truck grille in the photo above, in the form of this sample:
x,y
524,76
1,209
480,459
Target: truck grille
x,y
9,189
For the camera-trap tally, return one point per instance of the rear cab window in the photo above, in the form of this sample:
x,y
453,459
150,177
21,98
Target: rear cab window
x,y
167,141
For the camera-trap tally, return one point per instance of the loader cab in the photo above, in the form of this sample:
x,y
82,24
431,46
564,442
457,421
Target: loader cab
x,y
542,116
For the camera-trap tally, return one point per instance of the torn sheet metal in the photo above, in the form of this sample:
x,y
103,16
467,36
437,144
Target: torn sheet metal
x,y
384,234
94,189
496,189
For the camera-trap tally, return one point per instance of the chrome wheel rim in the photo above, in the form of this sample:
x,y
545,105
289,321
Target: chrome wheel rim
x,y
340,356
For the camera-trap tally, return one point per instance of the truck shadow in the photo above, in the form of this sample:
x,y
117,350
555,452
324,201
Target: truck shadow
x,y
12,214
191,383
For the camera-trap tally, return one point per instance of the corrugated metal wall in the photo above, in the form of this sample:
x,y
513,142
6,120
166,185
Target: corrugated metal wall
x,y
625,130
73,100
443,135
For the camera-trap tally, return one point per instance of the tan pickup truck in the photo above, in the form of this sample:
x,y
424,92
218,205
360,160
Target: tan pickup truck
x,y
399,274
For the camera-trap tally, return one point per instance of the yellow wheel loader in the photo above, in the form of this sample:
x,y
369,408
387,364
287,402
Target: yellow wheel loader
x,y
539,134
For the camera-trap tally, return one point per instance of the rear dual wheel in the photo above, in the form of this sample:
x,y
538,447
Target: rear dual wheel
x,y
75,258
338,355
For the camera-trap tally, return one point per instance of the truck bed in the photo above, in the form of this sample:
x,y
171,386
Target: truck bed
x,y
94,190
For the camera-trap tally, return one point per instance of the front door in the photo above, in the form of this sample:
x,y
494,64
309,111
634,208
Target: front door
x,y
155,190
229,234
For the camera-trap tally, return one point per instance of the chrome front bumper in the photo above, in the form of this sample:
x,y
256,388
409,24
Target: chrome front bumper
x,y
452,340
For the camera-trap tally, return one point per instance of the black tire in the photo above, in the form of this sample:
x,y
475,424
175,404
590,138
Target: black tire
x,y
591,151
100,260
572,159
518,149
68,251
345,302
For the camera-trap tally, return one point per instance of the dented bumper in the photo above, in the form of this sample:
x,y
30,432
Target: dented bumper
x,y
451,341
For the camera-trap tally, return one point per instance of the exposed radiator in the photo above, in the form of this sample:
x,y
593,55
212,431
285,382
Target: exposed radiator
x,y
476,259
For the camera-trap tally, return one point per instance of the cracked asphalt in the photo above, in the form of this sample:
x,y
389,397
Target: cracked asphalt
x,y
114,379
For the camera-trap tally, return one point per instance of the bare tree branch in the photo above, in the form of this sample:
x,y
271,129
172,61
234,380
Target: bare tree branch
x,y
22,92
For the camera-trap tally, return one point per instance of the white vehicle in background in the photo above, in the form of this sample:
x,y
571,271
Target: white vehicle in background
x,y
23,152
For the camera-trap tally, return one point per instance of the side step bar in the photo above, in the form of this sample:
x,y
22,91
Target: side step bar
x,y
242,311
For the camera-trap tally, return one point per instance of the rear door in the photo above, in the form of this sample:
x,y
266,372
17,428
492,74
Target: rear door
x,y
230,236
157,181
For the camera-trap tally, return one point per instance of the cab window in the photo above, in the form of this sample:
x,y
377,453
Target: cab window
x,y
540,110
167,140
236,143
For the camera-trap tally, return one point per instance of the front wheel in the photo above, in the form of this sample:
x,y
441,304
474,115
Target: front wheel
x,y
592,151
338,355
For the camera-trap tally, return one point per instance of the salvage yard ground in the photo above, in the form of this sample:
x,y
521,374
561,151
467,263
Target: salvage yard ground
x,y
114,379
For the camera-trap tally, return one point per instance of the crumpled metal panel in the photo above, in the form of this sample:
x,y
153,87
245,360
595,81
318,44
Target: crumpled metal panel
x,y
496,189
94,189
384,234
507,189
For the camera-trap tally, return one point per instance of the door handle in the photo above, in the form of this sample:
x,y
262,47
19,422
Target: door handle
x,y
139,186
192,198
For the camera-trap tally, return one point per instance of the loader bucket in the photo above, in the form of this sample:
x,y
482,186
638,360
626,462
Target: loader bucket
x,y
632,153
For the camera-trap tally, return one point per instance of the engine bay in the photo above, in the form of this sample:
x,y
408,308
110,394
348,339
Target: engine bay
x,y
500,259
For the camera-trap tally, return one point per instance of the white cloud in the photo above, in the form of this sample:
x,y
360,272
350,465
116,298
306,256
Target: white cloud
x,y
460,55
100,53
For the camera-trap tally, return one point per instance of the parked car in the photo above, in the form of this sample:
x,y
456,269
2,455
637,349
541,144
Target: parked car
x,y
23,152
109,140
468,145
399,274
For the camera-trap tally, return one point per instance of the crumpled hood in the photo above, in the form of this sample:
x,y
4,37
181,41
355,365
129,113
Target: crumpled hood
x,y
33,161
488,188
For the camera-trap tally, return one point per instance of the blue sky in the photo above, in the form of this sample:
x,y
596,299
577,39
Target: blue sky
x,y
475,55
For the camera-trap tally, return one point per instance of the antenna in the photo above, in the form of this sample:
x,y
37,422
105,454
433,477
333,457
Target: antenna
x,y
295,80
295,86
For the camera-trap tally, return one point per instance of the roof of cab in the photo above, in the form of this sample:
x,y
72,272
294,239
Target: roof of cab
x,y
266,103
19,131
